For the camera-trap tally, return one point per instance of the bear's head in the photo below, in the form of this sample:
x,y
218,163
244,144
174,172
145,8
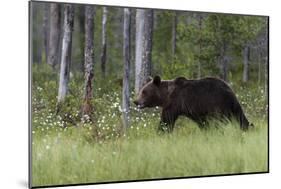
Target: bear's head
x,y
150,94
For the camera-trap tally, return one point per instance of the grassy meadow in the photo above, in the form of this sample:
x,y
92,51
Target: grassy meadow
x,y
67,149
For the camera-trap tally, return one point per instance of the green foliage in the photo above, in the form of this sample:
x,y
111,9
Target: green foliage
x,y
203,39
64,156
70,149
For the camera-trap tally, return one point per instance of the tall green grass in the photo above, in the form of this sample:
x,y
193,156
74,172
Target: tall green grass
x,y
67,149
67,157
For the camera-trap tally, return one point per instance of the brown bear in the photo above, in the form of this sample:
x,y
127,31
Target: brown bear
x,y
195,99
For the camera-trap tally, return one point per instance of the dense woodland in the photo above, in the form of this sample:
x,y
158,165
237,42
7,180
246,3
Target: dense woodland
x,y
89,62
127,45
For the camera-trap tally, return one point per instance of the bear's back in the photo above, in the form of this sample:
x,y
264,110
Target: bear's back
x,y
205,88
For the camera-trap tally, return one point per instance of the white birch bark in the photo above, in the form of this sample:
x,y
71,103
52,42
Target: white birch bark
x,y
174,34
54,38
66,52
103,40
45,31
246,63
81,21
266,65
144,28
89,59
224,62
126,76
200,46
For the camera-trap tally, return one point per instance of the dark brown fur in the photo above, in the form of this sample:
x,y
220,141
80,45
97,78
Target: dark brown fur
x,y
196,99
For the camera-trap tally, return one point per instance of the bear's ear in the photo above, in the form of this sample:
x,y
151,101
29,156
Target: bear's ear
x,y
157,80
149,79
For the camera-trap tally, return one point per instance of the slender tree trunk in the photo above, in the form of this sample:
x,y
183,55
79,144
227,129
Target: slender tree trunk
x,y
174,34
89,59
46,31
246,63
266,64
39,47
224,62
144,26
54,39
259,65
103,40
37,33
200,47
61,31
133,35
81,20
139,48
66,52
225,69
126,57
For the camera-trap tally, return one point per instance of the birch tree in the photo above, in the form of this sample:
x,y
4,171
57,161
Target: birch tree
x,y
36,34
266,62
247,33
103,40
89,60
174,34
45,31
246,54
144,25
81,22
54,38
66,52
200,46
223,61
126,75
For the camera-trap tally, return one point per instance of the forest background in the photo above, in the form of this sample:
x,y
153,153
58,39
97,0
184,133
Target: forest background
x,y
82,86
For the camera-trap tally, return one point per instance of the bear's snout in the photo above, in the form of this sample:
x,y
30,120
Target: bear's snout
x,y
139,104
135,102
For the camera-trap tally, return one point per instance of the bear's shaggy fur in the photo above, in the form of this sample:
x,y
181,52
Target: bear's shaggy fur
x,y
196,99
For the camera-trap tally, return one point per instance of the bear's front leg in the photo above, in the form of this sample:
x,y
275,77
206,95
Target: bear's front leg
x,y
167,122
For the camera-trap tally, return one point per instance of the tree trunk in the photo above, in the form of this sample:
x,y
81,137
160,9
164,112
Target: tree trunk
x,y
224,62
225,69
103,41
126,76
53,56
66,52
200,47
174,34
259,62
37,33
89,59
144,25
46,31
246,63
266,64
81,21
